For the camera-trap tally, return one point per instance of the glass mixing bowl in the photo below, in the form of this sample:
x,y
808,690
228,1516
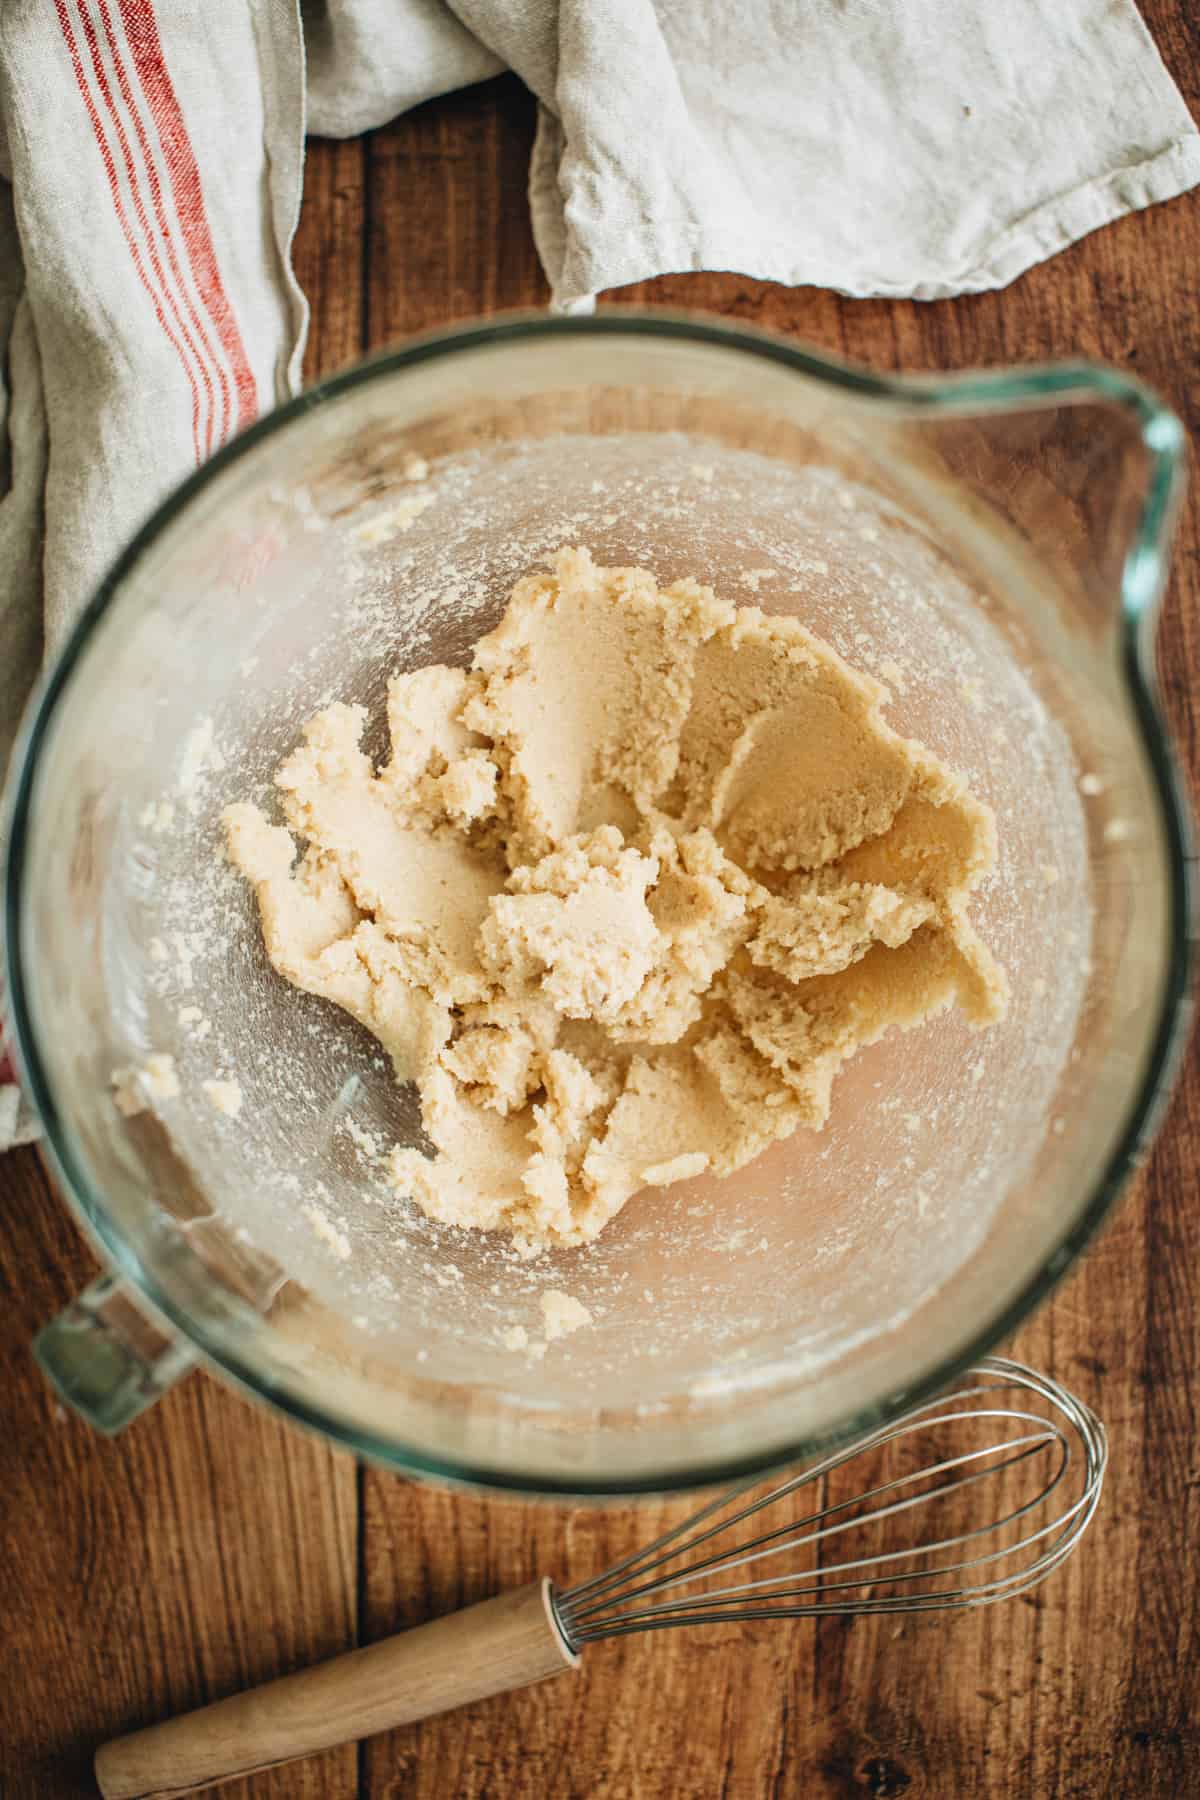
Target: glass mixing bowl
x,y
991,546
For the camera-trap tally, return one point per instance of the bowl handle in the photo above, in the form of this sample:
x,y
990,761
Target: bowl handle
x,y
107,1358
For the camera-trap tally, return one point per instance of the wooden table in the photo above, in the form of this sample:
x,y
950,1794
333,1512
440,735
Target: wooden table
x,y
211,1546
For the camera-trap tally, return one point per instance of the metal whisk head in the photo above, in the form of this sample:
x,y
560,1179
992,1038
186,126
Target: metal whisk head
x,y
905,1544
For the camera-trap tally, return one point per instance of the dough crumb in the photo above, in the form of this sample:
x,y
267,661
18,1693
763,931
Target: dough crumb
x,y
328,1233
401,517
136,1088
624,897
891,672
754,578
562,1314
223,1096
515,1338
366,1142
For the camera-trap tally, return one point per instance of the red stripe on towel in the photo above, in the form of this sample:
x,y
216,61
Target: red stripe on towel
x,y
110,169
141,29
148,239
210,354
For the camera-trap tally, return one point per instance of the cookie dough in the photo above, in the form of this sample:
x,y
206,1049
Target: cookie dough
x,y
625,896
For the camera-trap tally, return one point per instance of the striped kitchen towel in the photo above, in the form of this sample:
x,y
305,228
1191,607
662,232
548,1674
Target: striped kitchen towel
x,y
151,156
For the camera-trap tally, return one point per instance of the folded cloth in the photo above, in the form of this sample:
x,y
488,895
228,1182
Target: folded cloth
x,y
153,157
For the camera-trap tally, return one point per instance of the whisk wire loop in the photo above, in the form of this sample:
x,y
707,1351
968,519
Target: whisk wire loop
x,y
794,1537
641,1592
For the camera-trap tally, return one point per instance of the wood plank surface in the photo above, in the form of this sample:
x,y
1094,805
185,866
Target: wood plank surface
x,y
209,1545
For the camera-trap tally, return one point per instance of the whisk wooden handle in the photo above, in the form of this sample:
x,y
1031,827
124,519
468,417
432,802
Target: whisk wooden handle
x,y
509,1642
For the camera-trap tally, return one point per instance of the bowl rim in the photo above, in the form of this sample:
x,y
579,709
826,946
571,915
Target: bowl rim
x,y
1142,583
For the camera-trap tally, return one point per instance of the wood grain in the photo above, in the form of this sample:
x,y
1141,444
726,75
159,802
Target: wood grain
x,y
449,233
145,1574
329,254
163,1570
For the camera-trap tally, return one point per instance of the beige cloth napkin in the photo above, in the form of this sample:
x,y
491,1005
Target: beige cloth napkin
x,y
152,156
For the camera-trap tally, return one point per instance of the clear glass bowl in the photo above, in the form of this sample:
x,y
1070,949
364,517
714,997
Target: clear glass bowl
x,y
993,546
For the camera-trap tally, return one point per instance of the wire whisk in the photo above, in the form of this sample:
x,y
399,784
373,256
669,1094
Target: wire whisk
x,y
996,1484
976,1566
